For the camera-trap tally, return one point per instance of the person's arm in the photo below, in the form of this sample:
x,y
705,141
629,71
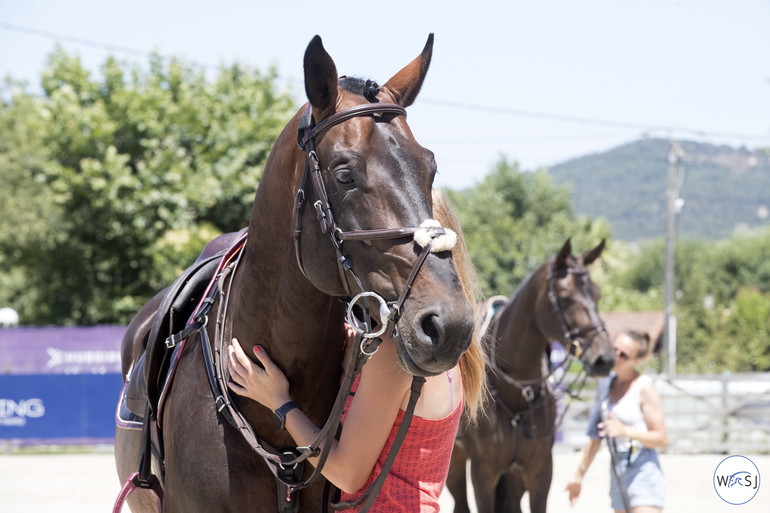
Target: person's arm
x,y
574,485
369,420
656,436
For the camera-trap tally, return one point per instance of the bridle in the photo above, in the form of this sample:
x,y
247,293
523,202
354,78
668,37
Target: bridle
x,y
574,336
390,312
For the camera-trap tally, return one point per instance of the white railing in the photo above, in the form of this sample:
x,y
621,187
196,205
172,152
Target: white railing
x,y
727,413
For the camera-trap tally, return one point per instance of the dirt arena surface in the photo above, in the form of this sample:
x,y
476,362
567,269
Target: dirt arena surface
x,y
87,483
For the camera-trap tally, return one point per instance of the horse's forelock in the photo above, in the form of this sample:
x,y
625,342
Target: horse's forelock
x,y
369,89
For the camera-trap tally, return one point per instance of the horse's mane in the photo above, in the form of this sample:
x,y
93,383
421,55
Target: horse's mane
x,y
360,86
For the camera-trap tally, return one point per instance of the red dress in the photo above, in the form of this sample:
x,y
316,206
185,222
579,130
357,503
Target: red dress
x,y
419,472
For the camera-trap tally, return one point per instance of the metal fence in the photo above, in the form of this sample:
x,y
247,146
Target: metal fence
x,y
727,413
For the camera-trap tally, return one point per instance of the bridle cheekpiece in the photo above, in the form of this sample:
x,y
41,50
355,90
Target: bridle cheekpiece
x,y
430,235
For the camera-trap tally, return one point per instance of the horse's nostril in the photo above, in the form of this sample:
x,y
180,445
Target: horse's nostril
x,y
429,328
603,365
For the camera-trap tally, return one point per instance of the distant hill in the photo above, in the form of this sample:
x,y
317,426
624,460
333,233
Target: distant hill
x,y
723,187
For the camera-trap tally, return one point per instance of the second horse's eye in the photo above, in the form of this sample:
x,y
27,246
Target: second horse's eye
x,y
344,176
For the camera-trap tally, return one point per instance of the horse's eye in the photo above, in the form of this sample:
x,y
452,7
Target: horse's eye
x,y
344,176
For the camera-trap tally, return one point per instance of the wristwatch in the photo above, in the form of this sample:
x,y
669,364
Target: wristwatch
x,y
280,414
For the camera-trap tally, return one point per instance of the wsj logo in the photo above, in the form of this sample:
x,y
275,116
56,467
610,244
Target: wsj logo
x,y
740,478
16,413
736,480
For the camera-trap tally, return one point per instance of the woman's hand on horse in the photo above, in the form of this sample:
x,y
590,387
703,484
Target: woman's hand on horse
x,y
268,386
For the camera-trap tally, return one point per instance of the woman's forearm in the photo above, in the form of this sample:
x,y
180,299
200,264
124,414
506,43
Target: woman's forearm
x,y
589,453
348,477
653,439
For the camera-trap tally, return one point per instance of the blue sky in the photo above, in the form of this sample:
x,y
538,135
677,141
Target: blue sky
x,y
537,81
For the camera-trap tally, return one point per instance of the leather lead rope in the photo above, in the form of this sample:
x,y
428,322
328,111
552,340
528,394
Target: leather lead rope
x,y
369,495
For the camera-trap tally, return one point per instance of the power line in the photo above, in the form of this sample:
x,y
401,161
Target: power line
x,y
439,103
590,121
93,44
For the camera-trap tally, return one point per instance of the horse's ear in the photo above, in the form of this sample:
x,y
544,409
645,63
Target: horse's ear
x,y
320,79
564,253
404,85
591,255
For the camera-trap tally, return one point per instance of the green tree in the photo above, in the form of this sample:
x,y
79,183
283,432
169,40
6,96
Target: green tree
x,y
27,207
721,296
513,221
140,168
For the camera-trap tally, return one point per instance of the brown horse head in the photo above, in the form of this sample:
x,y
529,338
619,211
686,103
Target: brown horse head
x,y
376,177
574,299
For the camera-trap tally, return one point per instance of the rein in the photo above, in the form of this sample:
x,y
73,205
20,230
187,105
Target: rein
x,y
217,375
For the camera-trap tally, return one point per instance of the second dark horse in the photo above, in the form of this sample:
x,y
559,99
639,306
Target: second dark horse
x,y
510,448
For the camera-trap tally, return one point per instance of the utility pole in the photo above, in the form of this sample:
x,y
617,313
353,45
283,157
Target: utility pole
x,y
673,203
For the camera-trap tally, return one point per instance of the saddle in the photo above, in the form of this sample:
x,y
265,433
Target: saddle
x,y
490,309
149,373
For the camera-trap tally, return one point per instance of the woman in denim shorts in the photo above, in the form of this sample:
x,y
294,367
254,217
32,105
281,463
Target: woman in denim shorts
x,y
628,410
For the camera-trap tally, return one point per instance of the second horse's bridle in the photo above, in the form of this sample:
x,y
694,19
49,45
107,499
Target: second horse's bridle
x,y
575,336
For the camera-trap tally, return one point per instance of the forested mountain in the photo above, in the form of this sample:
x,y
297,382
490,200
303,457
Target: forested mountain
x,y
722,188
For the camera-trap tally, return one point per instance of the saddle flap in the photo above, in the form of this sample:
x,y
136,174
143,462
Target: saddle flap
x,y
136,387
176,307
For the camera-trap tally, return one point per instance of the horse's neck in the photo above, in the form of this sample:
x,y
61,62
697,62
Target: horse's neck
x,y
520,342
271,288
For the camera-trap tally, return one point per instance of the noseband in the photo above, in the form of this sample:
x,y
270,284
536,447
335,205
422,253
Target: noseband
x,y
575,336
430,230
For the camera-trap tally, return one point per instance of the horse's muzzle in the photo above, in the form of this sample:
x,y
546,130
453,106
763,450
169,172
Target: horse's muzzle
x,y
435,340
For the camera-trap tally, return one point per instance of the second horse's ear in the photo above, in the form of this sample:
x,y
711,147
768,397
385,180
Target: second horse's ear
x,y
593,254
404,85
563,255
320,80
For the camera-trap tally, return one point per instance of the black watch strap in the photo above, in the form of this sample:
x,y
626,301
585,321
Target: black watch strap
x,y
280,414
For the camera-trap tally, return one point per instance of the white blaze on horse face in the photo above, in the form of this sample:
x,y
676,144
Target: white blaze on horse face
x,y
444,242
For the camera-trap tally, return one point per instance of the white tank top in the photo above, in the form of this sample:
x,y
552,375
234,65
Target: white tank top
x,y
628,410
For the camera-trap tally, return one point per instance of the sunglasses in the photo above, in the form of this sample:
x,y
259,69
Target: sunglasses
x,y
622,355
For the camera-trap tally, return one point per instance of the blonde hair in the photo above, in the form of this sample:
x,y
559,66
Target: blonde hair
x,y
473,361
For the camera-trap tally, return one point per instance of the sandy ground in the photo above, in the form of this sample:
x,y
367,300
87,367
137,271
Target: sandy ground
x,y
87,483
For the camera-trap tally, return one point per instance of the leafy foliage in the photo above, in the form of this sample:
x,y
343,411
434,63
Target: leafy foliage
x,y
513,221
113,184
722,300
126,165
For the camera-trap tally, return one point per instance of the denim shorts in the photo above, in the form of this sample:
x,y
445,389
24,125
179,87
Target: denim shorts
x,y
643,479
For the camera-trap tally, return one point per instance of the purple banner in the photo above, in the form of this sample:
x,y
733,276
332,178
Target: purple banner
x,y
61,350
